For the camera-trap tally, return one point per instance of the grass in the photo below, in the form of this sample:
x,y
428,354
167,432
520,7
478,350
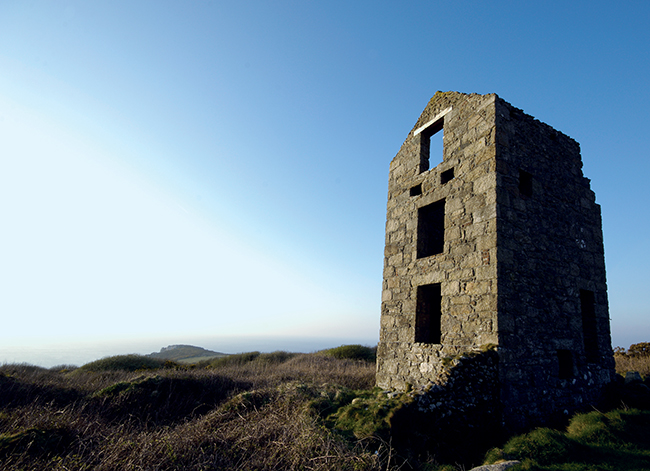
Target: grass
x,y
127,363
192,360
368,413
352,352
615,440
253,412
266,411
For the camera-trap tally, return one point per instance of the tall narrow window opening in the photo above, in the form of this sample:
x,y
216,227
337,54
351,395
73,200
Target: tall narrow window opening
x,y
565,364
428,314
589,331
431,134
431,229
431,148
525,183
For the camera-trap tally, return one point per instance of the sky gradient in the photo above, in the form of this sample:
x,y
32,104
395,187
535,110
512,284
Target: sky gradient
x,y
175,172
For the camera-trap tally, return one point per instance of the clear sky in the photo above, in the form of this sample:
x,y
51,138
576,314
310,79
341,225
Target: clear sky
x,y
207,171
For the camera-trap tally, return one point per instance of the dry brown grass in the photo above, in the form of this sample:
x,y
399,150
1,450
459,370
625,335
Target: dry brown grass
x,y
252,416
312,368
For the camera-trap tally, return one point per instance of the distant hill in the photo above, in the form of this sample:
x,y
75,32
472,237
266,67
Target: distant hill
x,y
186,354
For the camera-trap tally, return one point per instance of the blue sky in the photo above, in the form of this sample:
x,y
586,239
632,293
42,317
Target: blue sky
x,y
174,172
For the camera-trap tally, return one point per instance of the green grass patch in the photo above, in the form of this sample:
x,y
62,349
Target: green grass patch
x,y
616,440
367,413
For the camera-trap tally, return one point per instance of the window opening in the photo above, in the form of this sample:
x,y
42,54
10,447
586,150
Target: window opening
x,y
525,183
428,314
416,190
431,137
431,229
446,176
589,331
431,145
565,363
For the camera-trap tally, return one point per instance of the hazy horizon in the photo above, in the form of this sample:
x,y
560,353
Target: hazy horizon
x,y
49,355
78,353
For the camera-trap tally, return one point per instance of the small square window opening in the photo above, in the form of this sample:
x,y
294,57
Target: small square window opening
x,y
446,176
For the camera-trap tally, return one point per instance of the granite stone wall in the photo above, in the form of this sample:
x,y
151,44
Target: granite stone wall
x,y
497,241
550,250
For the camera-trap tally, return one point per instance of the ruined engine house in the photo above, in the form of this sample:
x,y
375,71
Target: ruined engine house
x,y
494,238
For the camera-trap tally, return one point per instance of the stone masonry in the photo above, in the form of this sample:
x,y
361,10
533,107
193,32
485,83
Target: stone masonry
x,y
495,241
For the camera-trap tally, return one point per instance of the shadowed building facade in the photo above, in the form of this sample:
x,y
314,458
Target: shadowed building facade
x,y
494,238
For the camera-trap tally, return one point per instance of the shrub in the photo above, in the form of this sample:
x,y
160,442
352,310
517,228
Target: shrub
x,y
127,363
36,441
231,360
639,349
164,399
637,358
352,352
26,384
275,358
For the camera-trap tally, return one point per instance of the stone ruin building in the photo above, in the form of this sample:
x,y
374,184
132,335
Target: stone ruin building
x,y
494,242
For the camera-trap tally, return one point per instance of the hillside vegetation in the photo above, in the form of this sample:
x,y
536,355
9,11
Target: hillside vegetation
x,y
617,440
186,354
256,413
267,411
